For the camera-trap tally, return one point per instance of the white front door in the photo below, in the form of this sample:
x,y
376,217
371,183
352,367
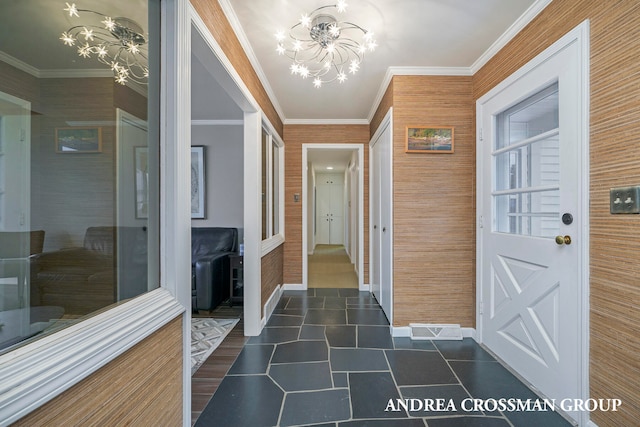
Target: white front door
x,y
531,240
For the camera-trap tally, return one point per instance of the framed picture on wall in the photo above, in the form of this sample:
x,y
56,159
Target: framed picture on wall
x,y
198,188
78,140
141,178
429,139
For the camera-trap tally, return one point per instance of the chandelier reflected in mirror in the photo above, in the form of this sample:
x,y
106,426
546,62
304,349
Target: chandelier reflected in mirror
x,y
324,48
119,43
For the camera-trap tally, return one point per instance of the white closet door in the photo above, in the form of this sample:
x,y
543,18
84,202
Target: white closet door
x,y
381,220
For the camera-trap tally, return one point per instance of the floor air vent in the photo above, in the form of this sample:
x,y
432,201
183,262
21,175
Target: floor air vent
x,y
435,332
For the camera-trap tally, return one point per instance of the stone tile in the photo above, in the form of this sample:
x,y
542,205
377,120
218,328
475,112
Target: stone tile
x,y
282,320
302,376
227,407
306,302
341,336
325,317
465,349
409,344
413,367
312,332
366,316
350,292
327,292
454,393
409,422
301,293
474,422
253,359
486,380
370,393
295,311
363,301
300,351
374,337
340,380
315,407
275,336
282,303
355,359
335,303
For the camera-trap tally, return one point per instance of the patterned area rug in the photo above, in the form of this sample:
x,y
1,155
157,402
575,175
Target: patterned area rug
x,y
206,336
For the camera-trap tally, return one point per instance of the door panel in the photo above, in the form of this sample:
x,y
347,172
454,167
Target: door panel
x,y
381,275
529,175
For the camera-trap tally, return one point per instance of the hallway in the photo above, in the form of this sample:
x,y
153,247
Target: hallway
x,y
330,267
326,358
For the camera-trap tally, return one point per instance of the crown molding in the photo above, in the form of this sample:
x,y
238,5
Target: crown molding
x,y
20,65
248,50
326,122
511,32
413,71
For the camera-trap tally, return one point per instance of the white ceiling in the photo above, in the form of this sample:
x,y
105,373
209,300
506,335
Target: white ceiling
x,y
413,37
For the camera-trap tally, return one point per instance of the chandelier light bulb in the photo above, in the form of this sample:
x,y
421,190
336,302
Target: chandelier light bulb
x,y
324,48
119,44
72,9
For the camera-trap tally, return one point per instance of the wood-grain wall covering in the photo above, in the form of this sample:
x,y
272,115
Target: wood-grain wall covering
x,y
217,23
142,387
615,161
272,274
294,137
433,205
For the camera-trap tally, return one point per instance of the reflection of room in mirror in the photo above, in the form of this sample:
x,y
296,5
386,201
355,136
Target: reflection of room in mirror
x,y
197,183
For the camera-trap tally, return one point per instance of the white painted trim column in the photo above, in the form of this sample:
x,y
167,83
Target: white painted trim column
x,y
175,158
252,223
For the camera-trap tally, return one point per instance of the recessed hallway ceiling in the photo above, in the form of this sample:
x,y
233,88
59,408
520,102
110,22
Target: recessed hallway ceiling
x,y
413,36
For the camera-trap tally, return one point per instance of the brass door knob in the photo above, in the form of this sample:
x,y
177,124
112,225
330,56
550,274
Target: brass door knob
x,y
563,240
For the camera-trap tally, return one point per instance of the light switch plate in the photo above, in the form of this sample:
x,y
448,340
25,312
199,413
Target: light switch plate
x,y
625,200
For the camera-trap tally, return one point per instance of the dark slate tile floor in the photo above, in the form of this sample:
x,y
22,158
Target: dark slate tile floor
x,y
326,358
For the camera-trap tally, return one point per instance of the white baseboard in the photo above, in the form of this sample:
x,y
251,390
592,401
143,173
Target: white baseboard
x,y
270,305
469,333
365,287
405,331
400,331
294,287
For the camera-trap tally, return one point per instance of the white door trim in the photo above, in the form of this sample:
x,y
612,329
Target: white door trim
x,y
579,35
359,148
224,73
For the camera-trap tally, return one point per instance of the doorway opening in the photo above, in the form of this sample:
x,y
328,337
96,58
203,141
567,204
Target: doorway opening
x,y
332,236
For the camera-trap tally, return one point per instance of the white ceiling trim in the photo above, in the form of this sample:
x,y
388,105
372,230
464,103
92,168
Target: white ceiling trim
x,y
244,42
52,74
505,38
326,122
511,32
20,65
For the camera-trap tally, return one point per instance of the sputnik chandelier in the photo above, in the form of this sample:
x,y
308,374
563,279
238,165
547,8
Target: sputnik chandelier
x,y
324,48
119,43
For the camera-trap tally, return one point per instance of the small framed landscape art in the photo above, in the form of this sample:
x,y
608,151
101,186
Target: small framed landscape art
x,y
429,139
198,190
79,140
